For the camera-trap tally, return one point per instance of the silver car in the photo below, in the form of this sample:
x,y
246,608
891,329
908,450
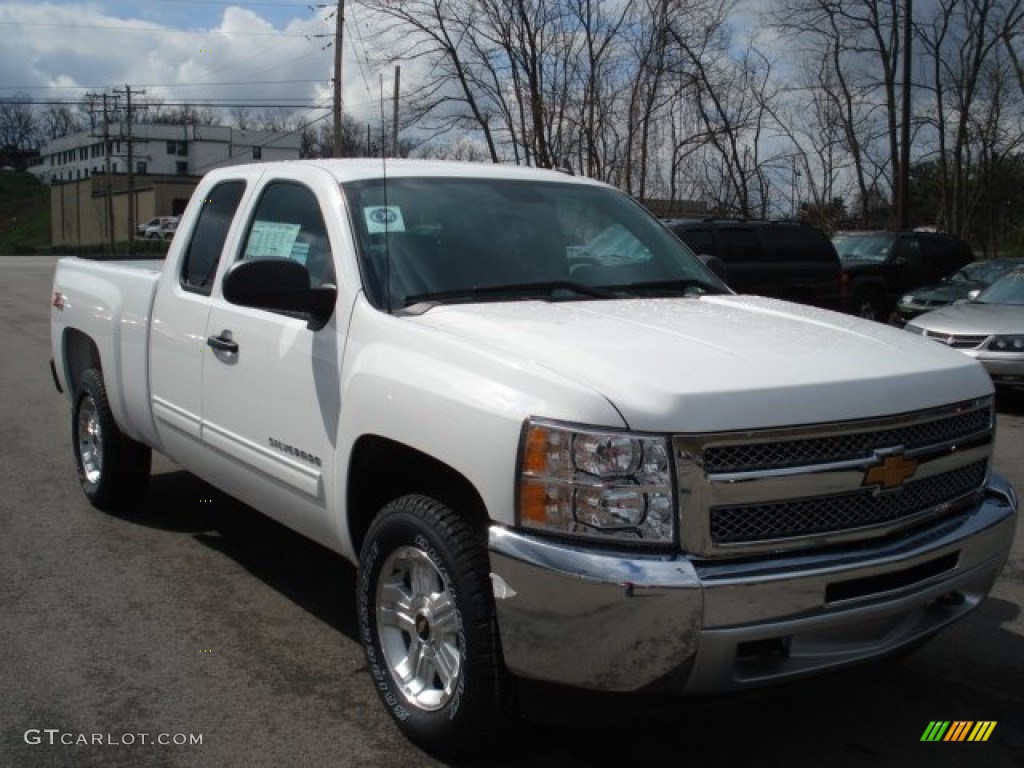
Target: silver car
x,y
990,329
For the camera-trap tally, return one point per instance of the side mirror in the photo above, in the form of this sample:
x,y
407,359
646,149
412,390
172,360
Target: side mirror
x,y
716,265
279,285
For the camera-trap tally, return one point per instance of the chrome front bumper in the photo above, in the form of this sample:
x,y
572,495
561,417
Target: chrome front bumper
x,y
627,622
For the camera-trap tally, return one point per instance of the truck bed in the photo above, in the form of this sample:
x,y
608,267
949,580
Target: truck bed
x,y
111,303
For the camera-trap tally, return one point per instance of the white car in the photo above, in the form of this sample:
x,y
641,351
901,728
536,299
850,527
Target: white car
x,y
141,230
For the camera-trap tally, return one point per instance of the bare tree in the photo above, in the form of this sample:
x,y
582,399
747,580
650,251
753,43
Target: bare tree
x,y
964,46
730,96
242,118
442,33
854,48
57,120
17,123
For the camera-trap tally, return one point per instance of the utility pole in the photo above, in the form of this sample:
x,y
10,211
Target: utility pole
x,y
129,119
394,120
110,181
339,30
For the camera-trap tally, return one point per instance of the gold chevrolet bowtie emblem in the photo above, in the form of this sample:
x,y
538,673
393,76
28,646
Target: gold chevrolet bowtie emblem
x,y
890,472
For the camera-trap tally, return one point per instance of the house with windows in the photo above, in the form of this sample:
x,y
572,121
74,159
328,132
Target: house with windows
x,y
153,169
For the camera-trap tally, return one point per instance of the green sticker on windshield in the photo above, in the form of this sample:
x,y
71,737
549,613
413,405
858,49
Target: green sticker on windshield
x,y
383,218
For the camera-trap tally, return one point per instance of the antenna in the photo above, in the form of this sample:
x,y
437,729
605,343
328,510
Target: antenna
x,y
387,209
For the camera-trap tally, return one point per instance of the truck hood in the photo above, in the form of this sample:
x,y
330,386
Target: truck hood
x,y
721,363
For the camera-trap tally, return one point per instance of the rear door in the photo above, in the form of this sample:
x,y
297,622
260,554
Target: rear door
x,y
271,393
177,339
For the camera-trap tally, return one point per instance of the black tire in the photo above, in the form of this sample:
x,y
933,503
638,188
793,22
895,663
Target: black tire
x,y
427,623
112,468
870,308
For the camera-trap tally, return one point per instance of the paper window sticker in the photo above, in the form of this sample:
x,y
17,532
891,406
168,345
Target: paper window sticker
x,y
383,218
271,240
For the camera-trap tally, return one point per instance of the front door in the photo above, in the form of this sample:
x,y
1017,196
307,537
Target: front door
x,y
271,382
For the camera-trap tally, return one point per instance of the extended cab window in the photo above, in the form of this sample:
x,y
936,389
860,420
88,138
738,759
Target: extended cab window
x,y
288,224
208,237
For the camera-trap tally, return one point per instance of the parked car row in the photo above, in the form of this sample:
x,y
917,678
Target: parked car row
x,y
864,273
926,281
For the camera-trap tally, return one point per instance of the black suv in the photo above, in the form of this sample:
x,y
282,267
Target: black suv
x,y
784,260
879,267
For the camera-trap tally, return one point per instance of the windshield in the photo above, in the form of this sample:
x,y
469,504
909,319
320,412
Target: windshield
x,y
986,272
458,240
875,247
1008,289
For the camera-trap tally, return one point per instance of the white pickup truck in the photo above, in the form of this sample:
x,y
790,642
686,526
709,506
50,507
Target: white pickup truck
x,y
556,446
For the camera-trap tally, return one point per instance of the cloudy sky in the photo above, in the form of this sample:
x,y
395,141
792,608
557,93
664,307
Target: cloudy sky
x,y
257,52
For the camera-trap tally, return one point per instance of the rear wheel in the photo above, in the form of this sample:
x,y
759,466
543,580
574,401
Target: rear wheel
x,y
870,308
112,468
427,623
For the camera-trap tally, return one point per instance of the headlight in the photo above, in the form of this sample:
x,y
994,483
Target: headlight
x,y
908,299
1007,344
596,484
913,329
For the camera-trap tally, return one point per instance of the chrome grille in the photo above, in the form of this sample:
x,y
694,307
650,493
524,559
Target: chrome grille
x,y
956,341
791,489
767,522
777,455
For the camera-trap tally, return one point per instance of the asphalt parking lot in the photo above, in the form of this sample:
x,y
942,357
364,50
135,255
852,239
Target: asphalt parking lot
x,y
194,632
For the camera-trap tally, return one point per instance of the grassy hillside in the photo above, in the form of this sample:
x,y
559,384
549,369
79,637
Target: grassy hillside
x,y
24,213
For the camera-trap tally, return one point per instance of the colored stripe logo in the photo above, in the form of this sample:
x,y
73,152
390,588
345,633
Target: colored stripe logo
x,y
958,730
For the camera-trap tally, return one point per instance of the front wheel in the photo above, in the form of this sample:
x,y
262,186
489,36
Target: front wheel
x,y
427,623
112,468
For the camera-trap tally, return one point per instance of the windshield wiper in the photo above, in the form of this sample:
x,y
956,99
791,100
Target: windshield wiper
x,y
665,285
518,290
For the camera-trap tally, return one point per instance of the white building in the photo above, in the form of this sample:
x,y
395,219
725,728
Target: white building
x,y
158,149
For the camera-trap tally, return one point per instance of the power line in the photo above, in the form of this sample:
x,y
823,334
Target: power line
x,y
301,127
245,4
221,103
360,59
159,30
165,85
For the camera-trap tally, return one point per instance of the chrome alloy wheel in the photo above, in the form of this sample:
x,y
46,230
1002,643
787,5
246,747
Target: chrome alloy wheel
x,y
90,440
420,628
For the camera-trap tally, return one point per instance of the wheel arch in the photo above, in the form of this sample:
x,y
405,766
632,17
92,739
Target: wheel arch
x,y
382,469
80,353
